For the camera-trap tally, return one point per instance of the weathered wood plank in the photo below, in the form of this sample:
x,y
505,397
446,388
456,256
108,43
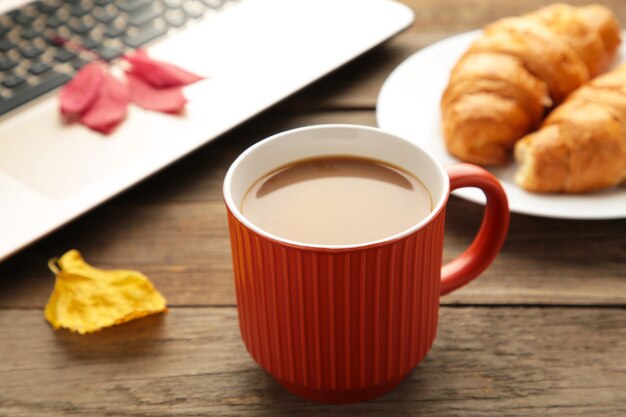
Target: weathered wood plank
x,y
173,228
504,361
485,362
184,249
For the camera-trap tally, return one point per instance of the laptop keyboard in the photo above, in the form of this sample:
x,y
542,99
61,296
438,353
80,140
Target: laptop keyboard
x,y
32,62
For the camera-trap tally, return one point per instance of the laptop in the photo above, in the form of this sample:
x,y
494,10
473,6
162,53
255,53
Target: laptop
x,y
253,53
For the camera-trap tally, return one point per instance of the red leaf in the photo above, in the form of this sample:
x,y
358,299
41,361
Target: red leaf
x,y
109,108
77,95
167,100
159,74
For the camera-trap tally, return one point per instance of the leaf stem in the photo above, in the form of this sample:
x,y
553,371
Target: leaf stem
x,y
53,265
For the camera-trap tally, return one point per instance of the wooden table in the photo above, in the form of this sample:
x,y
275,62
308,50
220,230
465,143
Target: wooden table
x,y
542,332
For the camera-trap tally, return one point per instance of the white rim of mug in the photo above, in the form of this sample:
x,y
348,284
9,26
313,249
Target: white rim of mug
x,y
228,198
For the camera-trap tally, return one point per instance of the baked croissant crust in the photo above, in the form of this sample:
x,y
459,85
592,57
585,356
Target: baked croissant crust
x,y
581,146
519,66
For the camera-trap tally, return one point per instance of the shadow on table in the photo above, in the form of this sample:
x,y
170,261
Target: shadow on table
x,y
277,401
137,338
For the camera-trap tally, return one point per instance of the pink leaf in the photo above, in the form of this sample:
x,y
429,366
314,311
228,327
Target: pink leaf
x,y
109,108
78,94
167,100
159,74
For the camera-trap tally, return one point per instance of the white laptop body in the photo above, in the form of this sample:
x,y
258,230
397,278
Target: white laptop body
x,y
253,54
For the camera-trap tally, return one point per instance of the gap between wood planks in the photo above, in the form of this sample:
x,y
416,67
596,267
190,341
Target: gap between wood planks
x,y
443,306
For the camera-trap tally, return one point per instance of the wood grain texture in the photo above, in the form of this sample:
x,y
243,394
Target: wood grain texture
x,y
184,249
173,228
542,332
192,362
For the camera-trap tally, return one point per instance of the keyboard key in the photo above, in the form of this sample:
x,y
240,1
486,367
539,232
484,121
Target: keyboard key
x,y
175,18
6,45
193,9
89,42
30,34
105,16
173,4
21,18
129,5
63,55
54,22
47,8
13,81
79,11
107,53
113,31
144,35
31,52
214,4
6,64
81,28
143,15
78,63
39,68
53,81
53,39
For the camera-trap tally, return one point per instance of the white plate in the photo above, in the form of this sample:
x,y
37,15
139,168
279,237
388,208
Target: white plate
x,y
408,105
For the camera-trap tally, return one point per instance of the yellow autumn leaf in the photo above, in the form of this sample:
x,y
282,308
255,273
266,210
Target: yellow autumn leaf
x,y
86,299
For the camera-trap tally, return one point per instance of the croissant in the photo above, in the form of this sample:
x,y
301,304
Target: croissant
x,y
518,67
581,146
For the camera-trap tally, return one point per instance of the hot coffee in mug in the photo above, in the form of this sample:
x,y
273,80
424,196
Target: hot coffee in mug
x,y
336,200
337,242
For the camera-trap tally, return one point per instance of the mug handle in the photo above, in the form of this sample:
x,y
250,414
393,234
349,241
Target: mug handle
x,y
493,229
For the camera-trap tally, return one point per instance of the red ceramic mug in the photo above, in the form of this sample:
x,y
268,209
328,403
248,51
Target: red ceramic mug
x,y
346,323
